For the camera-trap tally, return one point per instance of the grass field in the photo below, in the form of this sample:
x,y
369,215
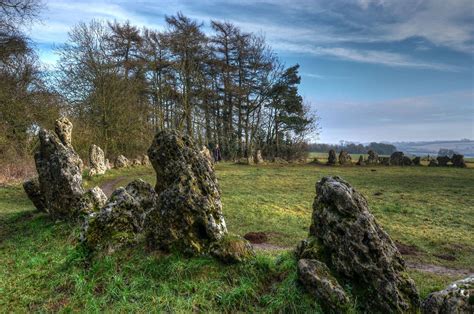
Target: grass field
x,y
428,211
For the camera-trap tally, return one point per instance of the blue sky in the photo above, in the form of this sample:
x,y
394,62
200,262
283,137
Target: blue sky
x,y
375,70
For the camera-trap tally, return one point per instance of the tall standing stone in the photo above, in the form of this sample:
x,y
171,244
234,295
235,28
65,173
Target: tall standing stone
x,y
345,158
332,158
353,245
96,160
189,214
63,128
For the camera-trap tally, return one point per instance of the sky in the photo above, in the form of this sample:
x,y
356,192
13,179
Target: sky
x,y
372,70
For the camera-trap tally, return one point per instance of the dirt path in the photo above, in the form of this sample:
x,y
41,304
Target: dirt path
x,y
440,270
109,186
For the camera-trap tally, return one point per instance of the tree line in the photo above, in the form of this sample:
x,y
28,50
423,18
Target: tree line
x,y
351,148
120,84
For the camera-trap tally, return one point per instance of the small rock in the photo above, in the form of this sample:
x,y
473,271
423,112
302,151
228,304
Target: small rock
x,y
407,161
396,159
416,161
32,189
332,158
458,161
232,249
443,161
145,160
92,201
135,162
458,297
121,162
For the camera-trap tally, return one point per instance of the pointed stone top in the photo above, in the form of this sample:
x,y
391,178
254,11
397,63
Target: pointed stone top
x,y
63,128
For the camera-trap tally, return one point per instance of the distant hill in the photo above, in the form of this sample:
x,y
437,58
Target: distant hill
x,y
465,147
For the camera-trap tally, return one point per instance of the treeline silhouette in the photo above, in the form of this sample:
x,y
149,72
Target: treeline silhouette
x,y
351,148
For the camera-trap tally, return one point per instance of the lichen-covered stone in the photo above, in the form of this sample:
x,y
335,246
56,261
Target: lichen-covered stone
x,y
32,189
232,249
92,200
396,159
258,157
63,128
345,158
59,172
416,161
361,161
120,221
145,160
188,217
406,161
458,298
135,162
358,250
96,161
458,161
443,161
372,158
121,162
318,281
332,158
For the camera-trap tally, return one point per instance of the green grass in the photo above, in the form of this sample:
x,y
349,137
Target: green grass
x,y
42,269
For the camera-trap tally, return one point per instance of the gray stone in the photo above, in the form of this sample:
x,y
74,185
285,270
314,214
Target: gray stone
x,y
344,158
63,128
332,158
458,161
458,297
188,217
145,160
121,162
373,157
416,161
407,161
96,161
357,249
361,161
396,159
135,162
92,200
443,161
433,163
258,157
385,161
232,249
32,189
318,281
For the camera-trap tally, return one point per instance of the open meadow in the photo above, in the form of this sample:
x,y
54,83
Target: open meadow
x,y
429,212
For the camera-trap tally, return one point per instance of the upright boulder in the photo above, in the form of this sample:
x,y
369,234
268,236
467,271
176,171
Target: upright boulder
x,y
443,161
396,159
96,160
416,161
361,161
458,297
344,158
407,161
59,171
120,221
348,239
32,189
332,158
258,157
458,161
207,153
121,162
188,217
145,160
373,157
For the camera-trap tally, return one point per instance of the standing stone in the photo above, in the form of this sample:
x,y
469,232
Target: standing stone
x,y
108,165
188,217
458,161
207,153
373,157
32,189
416,161
361,161
145,160
456,298
96,160
396,159
332,158
135,162
258,157
121,162
355,247
443,161
59,171
433,163
406,161
63,128
345,158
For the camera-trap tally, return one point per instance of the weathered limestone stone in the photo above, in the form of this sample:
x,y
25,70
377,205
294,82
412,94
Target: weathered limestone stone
x,y
207,153
232,249
96,160
443,161
407,161
458,161
345,158
59,171
258,157
373,157
433,163
121,162
458,297
416,161
135,162
188,217
332,158
396,159
120,221
358,250
92,200
361,161
385,161
318,281
63,128
108,165
145,160
32,189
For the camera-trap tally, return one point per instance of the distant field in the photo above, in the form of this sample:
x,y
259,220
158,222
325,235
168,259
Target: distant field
x,y
427,211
